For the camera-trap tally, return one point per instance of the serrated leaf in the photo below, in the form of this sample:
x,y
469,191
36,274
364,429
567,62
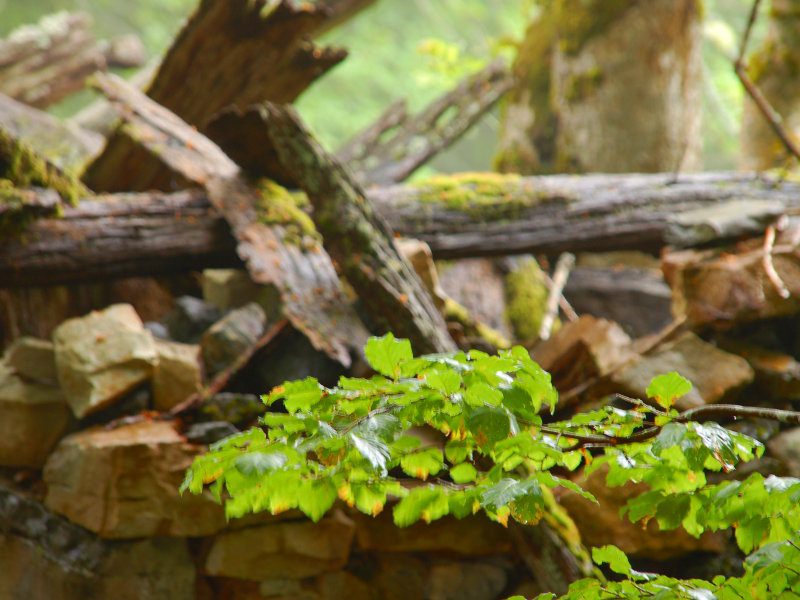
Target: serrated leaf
x,y
463,473
421,464
386,354
301,395
508,490
445,381
256,463
422,503
480,394
488,426
374,450
615,558
667,388
316,497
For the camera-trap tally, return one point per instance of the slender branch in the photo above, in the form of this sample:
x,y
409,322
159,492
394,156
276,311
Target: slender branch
x,y
710,412
765,108
564,265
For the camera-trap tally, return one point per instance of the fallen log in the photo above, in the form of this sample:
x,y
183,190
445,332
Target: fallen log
x,y
233,53
67,145
311,294
41,64
391,293
154,233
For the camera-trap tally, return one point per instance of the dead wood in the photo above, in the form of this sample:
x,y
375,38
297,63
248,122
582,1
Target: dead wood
x,y
312,297
360,241
41,64
233,53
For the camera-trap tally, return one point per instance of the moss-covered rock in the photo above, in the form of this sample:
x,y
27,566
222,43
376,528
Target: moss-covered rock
x,y
527,293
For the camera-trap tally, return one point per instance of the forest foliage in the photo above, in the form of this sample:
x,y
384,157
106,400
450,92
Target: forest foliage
x,y
461,433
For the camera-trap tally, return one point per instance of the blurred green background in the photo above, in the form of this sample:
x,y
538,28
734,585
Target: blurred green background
x,y
416,49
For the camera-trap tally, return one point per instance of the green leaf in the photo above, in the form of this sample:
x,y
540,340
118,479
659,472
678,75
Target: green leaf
x,y
508,490
665,389
422,503
386,354
256,463
374,450
480,394
424,463
463,473
613,557
300,395
447,382
316,497
489,425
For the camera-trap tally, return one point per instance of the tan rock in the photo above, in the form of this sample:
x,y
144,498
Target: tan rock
x,y
291,550
102,356
232,288
776,373
601,524
472,536
232,335
33,359
33,417
721,286
155,569
466,581
583,349
123,483
786,447
178,373
714,373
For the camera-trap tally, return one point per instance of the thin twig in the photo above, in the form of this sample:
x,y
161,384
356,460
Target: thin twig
x,y
765,108
710,412
221,379
569,312
769,266
563,267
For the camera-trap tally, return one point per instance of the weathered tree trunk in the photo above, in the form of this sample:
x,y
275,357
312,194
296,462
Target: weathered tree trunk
x,y
775,69
467,216
43,63
359,240
311,294
229,53
607,87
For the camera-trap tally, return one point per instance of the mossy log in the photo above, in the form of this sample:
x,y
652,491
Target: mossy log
x,y
311,294
155,233
391,293
41,64
66,145
233,53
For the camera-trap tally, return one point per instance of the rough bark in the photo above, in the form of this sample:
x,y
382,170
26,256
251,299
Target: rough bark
x,y
233,53
607,86
360,241
312,297
66,145
390,150
41,64
157,233
775,70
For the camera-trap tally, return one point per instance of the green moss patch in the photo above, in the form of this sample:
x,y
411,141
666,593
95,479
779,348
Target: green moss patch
x,y
481,194
279,206
24,168
526,295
